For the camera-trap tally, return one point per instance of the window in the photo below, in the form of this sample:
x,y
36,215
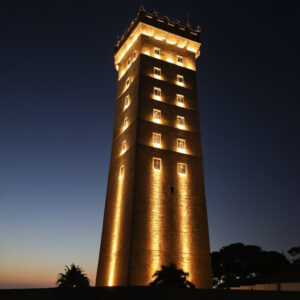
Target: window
x,y
179,59
121,171
125,123
181,168
180,145
157,51
128,82
157,93
157,72
156,163
134,54
124,146
127,102
180,100
180,121
156,139
180,79
128,61
156,115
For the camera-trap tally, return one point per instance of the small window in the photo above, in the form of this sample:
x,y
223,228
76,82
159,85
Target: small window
x,y
180,120
125,123
128,82
172,189
124,146
157,91
180,99
157,71
134,54
180,79
128,61
127,102
156,163
156,114
181,144
157,51
121,171
156,138
181,168
179,59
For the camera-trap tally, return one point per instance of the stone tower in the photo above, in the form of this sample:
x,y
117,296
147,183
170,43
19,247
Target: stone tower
x,y
155,209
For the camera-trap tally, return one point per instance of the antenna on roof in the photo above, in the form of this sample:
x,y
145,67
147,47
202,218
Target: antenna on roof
x,y
187,12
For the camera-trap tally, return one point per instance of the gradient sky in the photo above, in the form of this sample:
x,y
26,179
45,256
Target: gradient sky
x,y
57,100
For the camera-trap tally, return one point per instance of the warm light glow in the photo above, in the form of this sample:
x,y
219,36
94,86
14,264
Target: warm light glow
x,y
180,80
156,140
184,226
156,116
180,100
124,146
157,52
125,123
157,73
181,145
116,229
180,122
157,93
127,102
155,214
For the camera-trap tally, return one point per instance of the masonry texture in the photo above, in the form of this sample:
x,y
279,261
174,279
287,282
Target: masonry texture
x,y
155,209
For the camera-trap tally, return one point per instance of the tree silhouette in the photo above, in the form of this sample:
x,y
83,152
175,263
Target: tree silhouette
x,y
72,278
170,276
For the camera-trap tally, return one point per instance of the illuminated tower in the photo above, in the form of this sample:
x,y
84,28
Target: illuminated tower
x,y
155,209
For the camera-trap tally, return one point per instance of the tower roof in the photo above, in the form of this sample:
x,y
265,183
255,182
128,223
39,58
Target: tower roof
x,y
163,23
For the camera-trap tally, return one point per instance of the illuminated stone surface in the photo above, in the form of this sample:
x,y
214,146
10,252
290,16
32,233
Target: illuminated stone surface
x,y
154,217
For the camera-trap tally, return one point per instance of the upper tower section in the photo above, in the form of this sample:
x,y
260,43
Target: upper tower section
x,y
172,33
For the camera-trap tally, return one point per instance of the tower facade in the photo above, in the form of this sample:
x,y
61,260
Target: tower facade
x,y
155,210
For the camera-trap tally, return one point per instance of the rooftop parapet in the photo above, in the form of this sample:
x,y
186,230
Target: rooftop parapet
x,y
164,23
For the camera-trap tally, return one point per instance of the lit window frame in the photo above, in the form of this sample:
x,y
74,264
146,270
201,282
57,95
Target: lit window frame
x,y
122,168
180,79
156,112
156,139
157,51
124,146
180,99
181,167
157,72
128,61
156,163
179,143
125,123
127,82
134,54
157,93
126,102
179,59
180,121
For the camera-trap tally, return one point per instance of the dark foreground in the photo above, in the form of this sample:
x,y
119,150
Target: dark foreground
x,y
144,293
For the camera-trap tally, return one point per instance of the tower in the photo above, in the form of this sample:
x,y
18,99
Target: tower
x,y
155,210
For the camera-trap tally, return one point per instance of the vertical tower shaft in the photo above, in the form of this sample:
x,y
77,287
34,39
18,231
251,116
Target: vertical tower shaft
x,y
155,209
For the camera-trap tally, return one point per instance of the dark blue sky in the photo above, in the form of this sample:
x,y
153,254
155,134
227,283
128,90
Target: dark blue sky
x,y
57,100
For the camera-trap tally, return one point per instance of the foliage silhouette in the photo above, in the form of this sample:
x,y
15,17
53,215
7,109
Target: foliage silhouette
x,y
239,264
72,278
294,252
170,276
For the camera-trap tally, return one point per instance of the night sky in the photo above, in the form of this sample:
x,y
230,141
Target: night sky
x,y
57,101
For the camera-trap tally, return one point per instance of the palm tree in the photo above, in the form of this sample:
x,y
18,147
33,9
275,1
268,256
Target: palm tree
x,y
73,277
170,276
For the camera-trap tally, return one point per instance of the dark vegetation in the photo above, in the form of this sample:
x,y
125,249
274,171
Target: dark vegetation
x,y
170,276
239,264
72,278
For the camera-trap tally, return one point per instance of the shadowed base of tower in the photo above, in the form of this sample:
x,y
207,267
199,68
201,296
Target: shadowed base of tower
x,y
112,293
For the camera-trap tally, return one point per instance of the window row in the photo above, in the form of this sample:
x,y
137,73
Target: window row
x,y
157,75
157,96
157,141
157,166
157,53
180,120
